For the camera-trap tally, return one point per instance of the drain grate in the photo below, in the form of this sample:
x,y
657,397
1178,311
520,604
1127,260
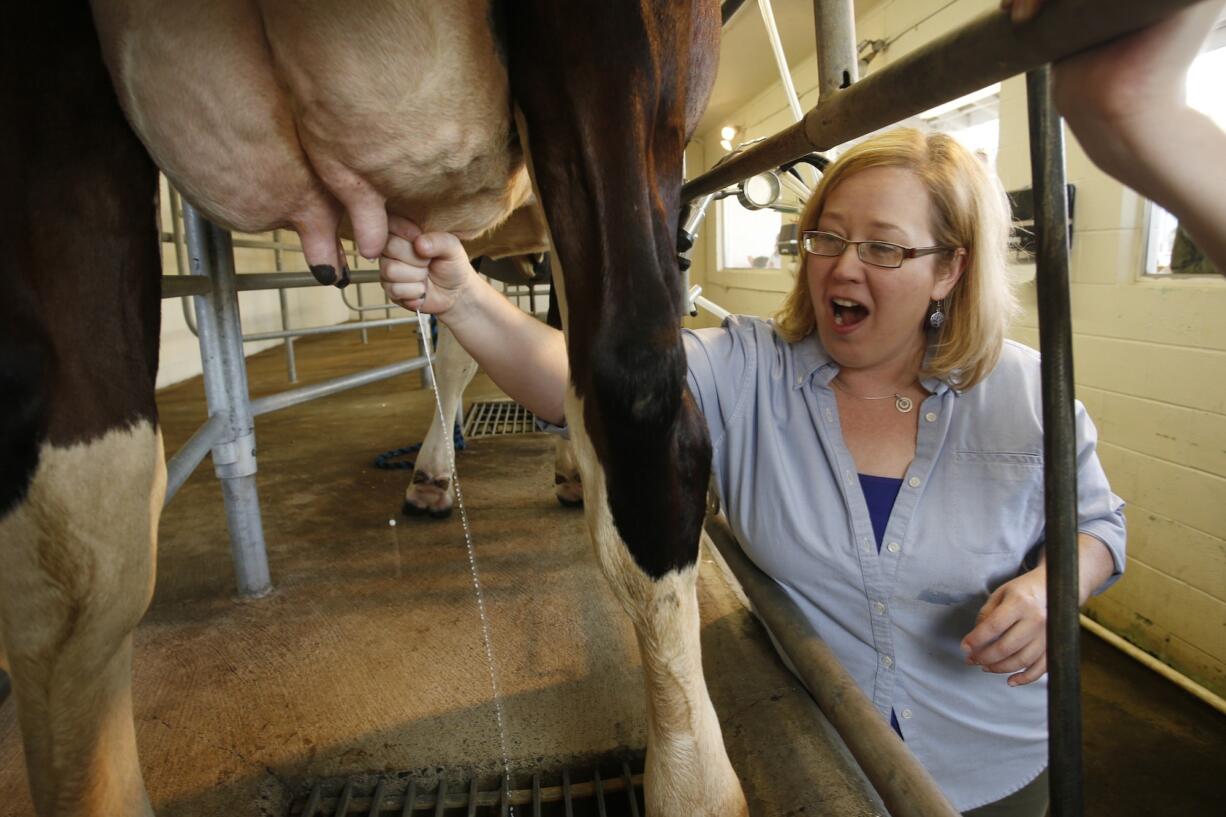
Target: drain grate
x,y
611,789
495,418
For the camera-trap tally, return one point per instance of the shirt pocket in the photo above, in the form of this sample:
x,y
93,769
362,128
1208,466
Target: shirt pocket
x,y
997,502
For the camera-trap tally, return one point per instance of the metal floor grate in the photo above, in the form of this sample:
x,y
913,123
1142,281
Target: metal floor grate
x,y
495,418
610,789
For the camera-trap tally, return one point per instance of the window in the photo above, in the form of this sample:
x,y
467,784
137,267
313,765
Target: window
x,y
749,236
1168,250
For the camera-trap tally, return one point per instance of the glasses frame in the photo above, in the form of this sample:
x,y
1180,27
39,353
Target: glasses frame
x,y
907,252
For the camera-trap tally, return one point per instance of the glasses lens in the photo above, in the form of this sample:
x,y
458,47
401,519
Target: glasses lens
x,y
824,244
881,254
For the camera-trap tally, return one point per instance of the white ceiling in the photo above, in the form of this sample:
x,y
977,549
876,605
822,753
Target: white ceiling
x,y
746,62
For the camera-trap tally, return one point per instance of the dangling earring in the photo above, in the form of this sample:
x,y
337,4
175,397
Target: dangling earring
x,y
937,318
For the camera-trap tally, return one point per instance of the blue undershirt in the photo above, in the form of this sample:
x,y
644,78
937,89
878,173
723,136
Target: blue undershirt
x,y
880,493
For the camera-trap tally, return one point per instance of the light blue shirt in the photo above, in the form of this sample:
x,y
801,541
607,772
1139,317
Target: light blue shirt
x,y
969,513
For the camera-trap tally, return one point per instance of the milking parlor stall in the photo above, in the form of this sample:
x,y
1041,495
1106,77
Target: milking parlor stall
x,y
377,591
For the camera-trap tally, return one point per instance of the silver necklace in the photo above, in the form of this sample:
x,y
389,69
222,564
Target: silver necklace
x,y
902,402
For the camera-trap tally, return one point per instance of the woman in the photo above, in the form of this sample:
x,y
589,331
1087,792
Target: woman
x,y
878,449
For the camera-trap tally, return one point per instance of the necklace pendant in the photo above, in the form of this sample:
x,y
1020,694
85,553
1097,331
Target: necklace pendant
x,y
903,403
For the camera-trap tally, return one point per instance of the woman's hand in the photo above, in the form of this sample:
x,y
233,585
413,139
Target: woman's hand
x,y
1010,632
424,271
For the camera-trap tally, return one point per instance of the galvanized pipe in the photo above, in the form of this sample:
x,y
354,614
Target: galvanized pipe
x,y
331,329
838,65
291,362
1059,447
177,286
225,385
986,50
192,453
903,783
292,397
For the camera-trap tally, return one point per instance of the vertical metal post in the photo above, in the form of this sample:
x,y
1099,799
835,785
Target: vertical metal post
x,y
211,253
1059,447
837,63
279,264
361,312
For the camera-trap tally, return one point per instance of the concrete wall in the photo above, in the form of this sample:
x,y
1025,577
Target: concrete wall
x,y
261,311
1150,362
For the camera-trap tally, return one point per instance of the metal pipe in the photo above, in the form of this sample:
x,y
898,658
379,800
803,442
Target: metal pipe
x,y
1059,446
176,234
903,783
291,361
192,453
327,330
254,243
361,313
986,50
838,65
1165,670
177,286
225,386
292,397
781,60
696,299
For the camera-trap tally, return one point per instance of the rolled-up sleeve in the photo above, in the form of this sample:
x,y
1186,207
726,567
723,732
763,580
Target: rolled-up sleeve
x,y
720,365
1100,513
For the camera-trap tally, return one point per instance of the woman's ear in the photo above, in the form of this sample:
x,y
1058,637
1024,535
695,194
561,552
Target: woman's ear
x,y
949,274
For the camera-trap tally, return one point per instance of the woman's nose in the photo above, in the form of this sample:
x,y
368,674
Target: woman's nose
x,y
846,265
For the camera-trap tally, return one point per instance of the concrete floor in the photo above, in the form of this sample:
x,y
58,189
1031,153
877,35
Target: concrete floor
x,y
368,658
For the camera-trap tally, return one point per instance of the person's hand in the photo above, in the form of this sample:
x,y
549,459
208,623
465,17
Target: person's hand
x,y
1010,634
423,271
1118,95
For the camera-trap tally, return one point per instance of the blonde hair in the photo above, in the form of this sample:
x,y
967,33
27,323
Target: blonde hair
x,y
969,210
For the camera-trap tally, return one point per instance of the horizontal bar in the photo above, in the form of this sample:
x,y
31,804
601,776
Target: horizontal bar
x,y
352,326
192,453
986,50
292,397
905,786
178,286
249,243
712,307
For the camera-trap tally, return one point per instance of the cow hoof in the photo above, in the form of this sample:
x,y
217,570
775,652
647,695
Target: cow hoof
x,y
409,509
568,502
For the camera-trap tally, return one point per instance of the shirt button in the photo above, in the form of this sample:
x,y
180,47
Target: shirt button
x,y
878,607
906,714
893,547
887,661
931,416
914,482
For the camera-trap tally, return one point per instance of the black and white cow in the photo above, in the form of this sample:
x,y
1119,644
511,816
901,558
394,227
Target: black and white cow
x,y
305,114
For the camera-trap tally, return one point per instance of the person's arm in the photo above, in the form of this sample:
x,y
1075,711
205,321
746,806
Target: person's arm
x,y
430,272
1126,103
1010,634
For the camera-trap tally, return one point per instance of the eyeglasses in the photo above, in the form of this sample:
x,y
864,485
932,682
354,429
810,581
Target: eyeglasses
x,y
877,253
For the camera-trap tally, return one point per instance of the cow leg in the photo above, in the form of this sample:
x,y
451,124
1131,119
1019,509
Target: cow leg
x,y
606,96
431,491
82,476
568,483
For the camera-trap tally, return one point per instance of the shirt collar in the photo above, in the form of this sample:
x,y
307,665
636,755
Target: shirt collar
x,y
812,361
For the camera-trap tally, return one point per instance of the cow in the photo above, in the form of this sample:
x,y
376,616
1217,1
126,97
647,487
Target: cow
x,y
325,117
430,491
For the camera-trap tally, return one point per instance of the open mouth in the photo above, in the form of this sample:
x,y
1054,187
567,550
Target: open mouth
x,y
847,313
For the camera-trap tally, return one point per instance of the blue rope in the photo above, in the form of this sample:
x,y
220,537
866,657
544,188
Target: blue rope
x,y
388,459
